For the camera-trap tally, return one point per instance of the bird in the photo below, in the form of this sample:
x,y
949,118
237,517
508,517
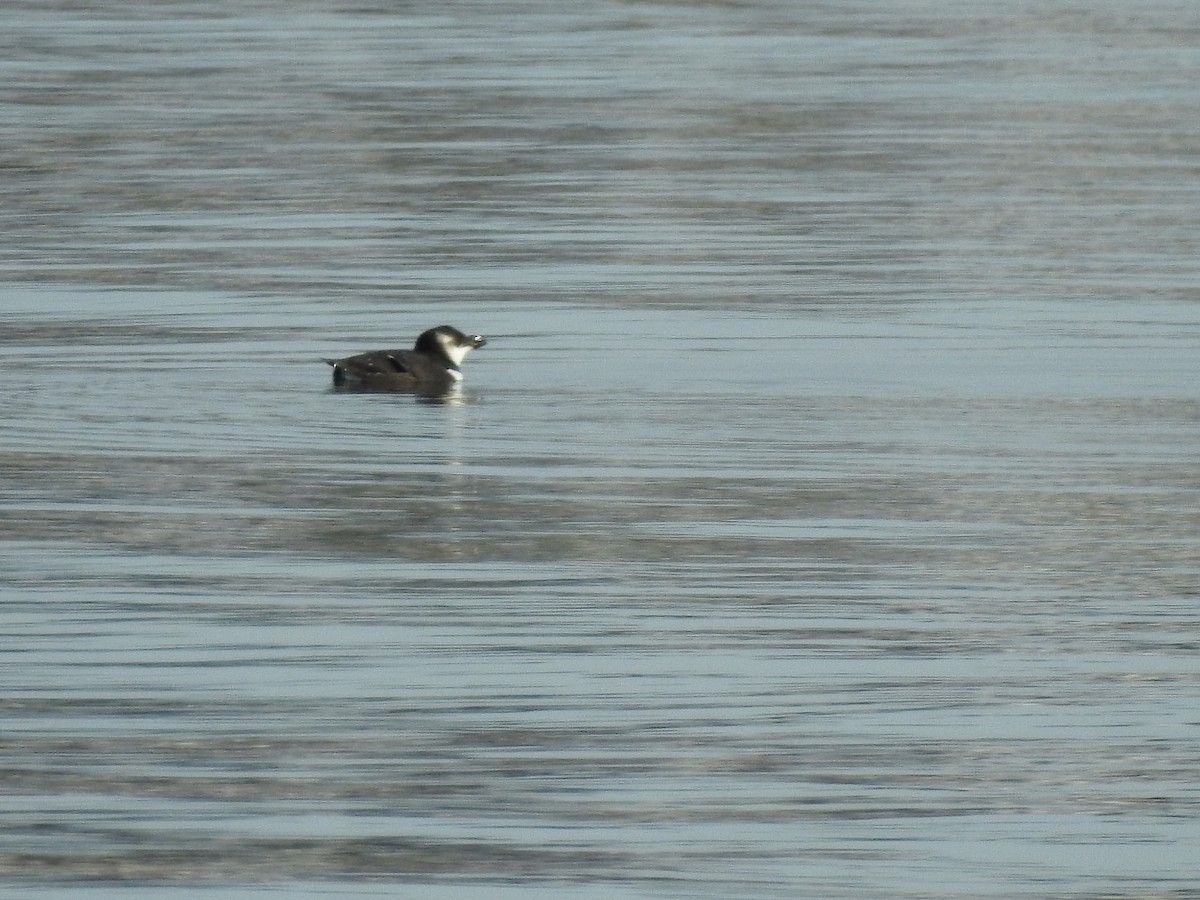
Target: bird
x,y
430,368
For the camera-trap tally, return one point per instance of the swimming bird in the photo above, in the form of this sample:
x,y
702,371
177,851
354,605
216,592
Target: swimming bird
x,y
430,368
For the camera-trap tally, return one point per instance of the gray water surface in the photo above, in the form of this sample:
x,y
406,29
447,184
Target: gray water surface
x,y
820,520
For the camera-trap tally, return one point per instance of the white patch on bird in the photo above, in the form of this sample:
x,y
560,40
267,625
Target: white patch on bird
x,y
454,349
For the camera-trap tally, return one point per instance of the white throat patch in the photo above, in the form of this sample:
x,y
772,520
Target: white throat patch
x,y
456,351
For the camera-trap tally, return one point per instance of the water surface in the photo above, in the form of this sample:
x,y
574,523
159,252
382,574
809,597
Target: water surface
x,y
820,519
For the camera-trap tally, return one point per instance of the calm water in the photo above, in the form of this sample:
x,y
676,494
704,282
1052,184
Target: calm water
x,y
821,520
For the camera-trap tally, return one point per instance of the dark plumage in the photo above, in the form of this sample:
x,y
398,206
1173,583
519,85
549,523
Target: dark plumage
x,y
429,368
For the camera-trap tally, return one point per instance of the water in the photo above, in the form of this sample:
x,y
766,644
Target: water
x,y
820,520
